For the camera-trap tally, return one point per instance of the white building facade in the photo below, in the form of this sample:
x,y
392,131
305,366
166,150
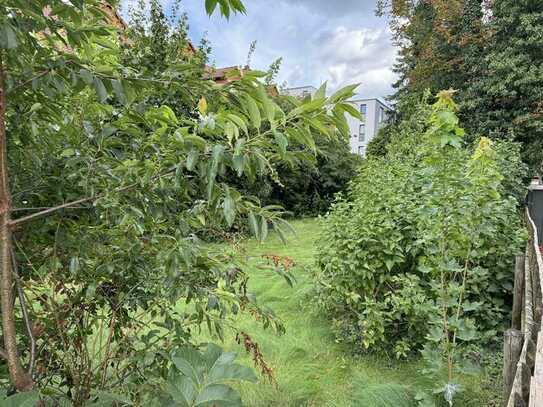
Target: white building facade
x,y
374,114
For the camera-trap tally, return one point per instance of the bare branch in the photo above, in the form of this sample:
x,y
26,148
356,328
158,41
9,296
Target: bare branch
x,y
29,81
49,211
41,208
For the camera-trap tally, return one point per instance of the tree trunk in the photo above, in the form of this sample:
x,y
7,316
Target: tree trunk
x,y
20,379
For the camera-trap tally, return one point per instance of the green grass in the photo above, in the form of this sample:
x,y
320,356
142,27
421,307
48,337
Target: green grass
x,y
310,368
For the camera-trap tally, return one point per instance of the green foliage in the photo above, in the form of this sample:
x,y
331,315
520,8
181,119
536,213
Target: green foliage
x,y
306,182
504,99
202,379
489,51
142,157
425,233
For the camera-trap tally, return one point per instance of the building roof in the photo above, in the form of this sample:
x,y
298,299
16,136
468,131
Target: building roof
x,y
380,100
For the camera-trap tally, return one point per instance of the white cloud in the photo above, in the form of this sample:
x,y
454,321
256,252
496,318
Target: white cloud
x,y
339,41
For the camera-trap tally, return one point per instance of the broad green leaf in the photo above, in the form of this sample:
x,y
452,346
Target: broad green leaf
x,y
218,395
352,111
189,362
210,6
282,142
321,92
100,89
263,229
192,159
74,265
27,399
119,91
8,36
344,93
307,107
254,112
87,77
253,225
239,122
229,208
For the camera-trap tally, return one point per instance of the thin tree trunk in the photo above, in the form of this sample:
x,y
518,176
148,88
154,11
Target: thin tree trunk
x,y
20,379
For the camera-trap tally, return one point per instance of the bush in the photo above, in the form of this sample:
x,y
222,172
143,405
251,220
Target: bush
x,y
308,188
426,233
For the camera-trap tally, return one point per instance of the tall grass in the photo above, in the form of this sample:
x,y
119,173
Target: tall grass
x,y
310,367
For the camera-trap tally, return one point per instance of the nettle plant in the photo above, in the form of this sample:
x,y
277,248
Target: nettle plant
x,y
104,194
418,255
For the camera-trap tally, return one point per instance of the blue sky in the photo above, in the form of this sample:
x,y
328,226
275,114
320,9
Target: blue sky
x,y
339,41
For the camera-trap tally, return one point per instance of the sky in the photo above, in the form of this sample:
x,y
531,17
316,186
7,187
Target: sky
x,y
338,41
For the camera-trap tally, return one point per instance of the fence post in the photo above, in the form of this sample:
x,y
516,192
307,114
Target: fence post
x,y
516,318
512,346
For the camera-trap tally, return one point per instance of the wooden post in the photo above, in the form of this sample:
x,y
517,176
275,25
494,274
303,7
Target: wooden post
x,y
536,387
512,346
516,318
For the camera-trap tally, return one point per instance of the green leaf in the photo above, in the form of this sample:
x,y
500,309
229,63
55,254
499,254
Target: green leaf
x,y
344,93
253,225
26,399
263,229
87,77
210,6
67,152
282,142
202,106
218,395
74,265
239,122
352,111
192,159
100,89
254,112
119,91
321,92
8,36
229,209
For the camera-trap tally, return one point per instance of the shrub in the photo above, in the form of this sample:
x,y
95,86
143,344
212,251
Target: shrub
x,y
420,250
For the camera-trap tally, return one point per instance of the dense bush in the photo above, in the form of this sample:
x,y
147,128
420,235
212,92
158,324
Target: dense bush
x,y
116,170
420,250
308,187
306,182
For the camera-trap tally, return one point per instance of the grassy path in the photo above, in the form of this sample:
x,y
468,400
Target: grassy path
x,y
311,369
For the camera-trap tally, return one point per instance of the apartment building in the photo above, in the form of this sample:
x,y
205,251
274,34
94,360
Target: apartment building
x,y
301,91
374,114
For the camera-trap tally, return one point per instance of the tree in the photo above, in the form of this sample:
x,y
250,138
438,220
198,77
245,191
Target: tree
x,y
505,98
437,41
106,181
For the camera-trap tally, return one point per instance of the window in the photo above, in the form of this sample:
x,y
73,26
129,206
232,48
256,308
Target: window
x,y
363,110
362,150
381,114
362,132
